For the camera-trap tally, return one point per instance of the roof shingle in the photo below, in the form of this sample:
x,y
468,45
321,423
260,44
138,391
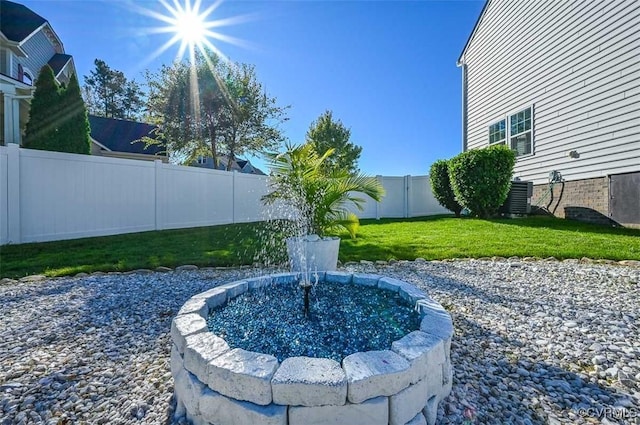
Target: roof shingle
x,y
118,135
58,61
17,22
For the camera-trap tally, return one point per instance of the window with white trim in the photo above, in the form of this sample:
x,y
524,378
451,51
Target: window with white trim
x,y
517,129
521,132
498,133
202,159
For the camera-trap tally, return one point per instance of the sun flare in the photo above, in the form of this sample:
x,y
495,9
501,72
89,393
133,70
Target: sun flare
x,y
191,26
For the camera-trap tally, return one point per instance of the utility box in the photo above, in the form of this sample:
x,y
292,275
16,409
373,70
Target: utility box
x,y
519,200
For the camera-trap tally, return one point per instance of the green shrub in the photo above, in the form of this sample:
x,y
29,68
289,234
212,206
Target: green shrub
x,y
57,117
441,186
44,114
481,178
73,130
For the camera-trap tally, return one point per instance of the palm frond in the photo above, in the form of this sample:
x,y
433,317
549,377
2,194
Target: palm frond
x,y
299,178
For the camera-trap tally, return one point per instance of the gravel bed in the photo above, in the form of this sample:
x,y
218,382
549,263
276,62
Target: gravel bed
x,y
536,342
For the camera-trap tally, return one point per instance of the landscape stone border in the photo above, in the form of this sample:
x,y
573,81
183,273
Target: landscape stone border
x,y
215,384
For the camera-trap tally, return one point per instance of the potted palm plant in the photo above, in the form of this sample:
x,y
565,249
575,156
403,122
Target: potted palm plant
x,y
319,197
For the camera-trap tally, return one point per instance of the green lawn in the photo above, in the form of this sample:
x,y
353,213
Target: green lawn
x,y
447,237
234,244
430,238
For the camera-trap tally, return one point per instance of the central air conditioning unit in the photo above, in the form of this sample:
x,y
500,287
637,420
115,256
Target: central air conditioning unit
x,y
519,199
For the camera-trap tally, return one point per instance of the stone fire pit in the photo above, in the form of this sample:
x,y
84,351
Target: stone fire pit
x,y
215,384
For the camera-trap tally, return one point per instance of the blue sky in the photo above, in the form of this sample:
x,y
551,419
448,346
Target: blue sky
x,y
387,69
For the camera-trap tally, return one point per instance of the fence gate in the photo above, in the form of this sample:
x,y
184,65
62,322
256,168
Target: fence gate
x,y
624,194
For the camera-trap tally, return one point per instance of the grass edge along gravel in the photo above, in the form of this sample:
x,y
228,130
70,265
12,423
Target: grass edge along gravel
x,y
431,238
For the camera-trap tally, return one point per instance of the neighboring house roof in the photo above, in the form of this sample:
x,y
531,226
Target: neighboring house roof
x,y
239,164
473,32
223,161
117,135
58,62
249,168
18,22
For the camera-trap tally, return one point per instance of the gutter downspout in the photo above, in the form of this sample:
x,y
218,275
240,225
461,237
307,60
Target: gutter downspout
x,y
464,107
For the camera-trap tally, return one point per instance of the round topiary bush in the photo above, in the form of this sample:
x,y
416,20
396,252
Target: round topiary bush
x,y
441,186
481,178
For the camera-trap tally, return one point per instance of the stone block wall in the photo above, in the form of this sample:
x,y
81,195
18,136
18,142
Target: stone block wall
x,y
402,385
584,200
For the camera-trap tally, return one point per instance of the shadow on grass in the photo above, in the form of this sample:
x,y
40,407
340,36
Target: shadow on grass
x,y
540,222
357,250
555,223
427,218
433,237
230,245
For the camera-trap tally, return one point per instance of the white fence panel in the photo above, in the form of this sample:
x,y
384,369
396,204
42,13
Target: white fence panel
x,y
65,196
248,190
393,205
4,202
422,200
52,196
370,208
193,197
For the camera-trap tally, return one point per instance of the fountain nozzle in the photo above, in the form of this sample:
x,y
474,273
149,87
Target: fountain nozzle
x,y
306,285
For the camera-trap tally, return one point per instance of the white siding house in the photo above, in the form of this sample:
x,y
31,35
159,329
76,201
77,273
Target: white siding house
x,y
27,43
559,82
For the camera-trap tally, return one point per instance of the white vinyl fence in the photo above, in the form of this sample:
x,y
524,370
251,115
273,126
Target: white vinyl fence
x,y
46,196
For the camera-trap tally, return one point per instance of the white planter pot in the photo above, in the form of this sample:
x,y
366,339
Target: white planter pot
x,y
311,253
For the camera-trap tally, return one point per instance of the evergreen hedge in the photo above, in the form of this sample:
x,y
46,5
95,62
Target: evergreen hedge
x,y
42,128
74,129
481,178
441,186
57,117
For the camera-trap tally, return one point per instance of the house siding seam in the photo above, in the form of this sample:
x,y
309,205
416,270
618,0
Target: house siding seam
x,y
39,50
578,63
584,200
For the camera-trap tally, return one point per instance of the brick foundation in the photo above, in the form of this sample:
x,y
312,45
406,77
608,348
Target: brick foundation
x,y
584,200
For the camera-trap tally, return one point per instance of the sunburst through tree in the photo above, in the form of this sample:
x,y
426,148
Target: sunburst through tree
x,y
207,105
194,29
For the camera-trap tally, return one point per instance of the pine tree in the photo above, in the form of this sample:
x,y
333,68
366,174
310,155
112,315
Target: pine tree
x,y
132,100
109,93
73,133
44,116
58,117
